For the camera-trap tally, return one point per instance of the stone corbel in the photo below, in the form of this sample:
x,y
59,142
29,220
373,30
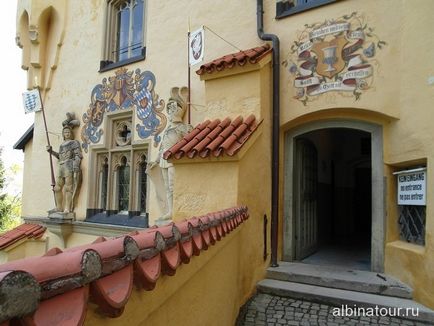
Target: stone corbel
x,y
61,226
18,40
33,34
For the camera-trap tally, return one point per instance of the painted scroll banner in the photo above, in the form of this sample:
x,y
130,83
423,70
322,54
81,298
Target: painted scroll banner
x,y
304,47
333,86
357,73
331,29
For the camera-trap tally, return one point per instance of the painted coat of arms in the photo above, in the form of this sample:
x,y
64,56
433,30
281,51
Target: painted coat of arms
x,y
123,91
333,56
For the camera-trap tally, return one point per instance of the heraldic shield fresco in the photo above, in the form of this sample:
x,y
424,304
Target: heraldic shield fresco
x,y
125,90
334,56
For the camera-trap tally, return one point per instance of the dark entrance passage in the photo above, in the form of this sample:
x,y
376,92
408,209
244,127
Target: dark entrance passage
x,y
332,183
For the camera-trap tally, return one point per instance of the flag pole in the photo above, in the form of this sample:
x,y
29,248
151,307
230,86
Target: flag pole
x,y
53,180
189,71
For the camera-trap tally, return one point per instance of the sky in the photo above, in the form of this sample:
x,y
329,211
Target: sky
x,y
13,121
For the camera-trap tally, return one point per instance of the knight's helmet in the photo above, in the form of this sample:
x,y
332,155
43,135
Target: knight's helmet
x,y
70,123
179,95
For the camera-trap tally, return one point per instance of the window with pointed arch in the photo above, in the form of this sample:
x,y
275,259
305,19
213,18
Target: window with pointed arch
x,y
119,188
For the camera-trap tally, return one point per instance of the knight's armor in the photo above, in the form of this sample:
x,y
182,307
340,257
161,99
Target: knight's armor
x,y
69,158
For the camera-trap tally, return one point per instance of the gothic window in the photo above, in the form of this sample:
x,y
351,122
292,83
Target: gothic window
x,y
120,184
125,33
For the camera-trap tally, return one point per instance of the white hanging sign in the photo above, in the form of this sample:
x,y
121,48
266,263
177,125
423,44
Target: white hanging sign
x,y
196,46
32,101
412,187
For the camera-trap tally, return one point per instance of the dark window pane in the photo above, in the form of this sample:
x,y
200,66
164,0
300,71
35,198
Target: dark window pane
x,y
104,186
143,184
124,187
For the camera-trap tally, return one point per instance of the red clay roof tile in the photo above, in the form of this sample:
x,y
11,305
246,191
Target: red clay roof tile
x,y
190,136
148,271
209,137
21,291
196,139
62,265
171,259
112,292
149,239
23,231
66,309
240,58
217,138
108,265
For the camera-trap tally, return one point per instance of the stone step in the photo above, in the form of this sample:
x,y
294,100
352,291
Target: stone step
x,y
340,278
345,299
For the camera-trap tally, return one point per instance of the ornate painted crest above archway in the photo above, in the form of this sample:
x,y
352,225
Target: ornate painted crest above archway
x,y
125,90
333,56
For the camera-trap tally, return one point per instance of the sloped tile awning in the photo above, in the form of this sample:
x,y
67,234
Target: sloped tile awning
x,y
241,58
23,231
214,138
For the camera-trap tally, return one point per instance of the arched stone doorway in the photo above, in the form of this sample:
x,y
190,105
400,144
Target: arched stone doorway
x,y
334,194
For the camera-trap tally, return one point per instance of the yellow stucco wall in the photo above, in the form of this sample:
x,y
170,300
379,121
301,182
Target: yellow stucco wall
x,y
203,190
27,176
23,249
399,100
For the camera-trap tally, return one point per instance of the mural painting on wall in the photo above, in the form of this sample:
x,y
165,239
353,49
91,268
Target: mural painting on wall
x,y
333,56
125,90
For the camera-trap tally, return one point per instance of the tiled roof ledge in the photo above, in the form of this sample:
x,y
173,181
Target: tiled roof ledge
x,y
236,63
56,288
224,140
237,157
20,234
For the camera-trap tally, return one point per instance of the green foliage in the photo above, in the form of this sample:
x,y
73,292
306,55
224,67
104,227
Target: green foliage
x,y
10,211
10,206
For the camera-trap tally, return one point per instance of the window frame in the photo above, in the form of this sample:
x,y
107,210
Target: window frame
x,y
282,11
110,37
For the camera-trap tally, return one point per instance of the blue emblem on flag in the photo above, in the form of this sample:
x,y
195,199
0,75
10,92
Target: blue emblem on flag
x,y
32,101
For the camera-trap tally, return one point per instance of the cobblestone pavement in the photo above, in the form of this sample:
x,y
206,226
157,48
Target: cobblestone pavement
x,y
271,310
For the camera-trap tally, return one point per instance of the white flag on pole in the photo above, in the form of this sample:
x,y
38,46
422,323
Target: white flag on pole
x,y
196,45
32,101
